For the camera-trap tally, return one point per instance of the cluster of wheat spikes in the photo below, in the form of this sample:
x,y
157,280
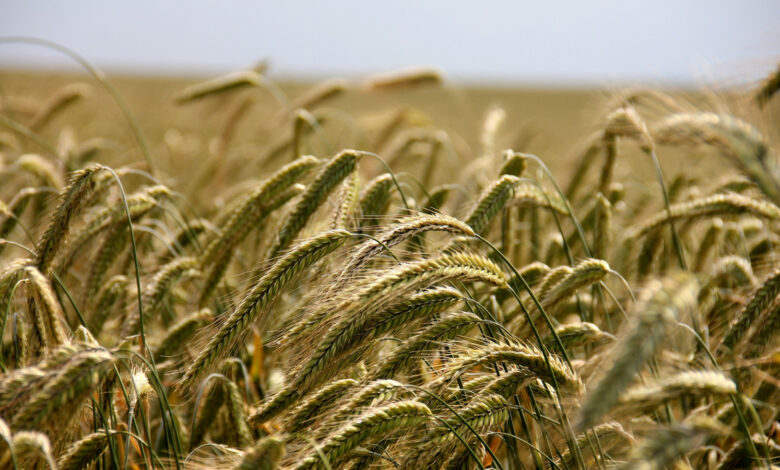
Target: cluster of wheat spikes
x,y
355,310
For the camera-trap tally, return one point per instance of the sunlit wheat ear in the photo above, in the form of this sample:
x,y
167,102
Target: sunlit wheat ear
x,y
448,327
32,446
552,278
421,306
112,297
82,336
260,295
16,385
320,402
532,273
218,86
63,98
46,310
69,204
623,122
485,412
63,391
216,262
181,333
112,218
43,169
474,386
375,199
242,217
715,205
577,334
346,203
161,282
493,199
671,443
360,307
585,273
490,127
265,454
338,168
82,453
404,79
320,94
529,194
526,357
404,230
358,310
734,138
514,163
768,88
19,105
418,306
661,304
370,395
372,425
507,384
684,384
760,301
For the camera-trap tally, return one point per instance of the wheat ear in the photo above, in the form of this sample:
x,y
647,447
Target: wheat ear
x,y
661,305
260,296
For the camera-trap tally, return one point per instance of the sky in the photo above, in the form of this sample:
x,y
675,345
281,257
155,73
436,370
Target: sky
x,y
512,42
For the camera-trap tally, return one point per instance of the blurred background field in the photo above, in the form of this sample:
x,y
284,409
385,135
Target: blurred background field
x,y
553,123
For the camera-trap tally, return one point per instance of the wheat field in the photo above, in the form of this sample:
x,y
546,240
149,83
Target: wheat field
x,y
386,272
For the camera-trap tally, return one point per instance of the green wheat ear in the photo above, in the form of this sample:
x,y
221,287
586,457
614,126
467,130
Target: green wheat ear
x,y
315,194
235,326
70,202
370,426
491,202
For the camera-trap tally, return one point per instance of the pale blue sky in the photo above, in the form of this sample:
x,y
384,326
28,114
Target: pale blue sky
x,y
593,41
